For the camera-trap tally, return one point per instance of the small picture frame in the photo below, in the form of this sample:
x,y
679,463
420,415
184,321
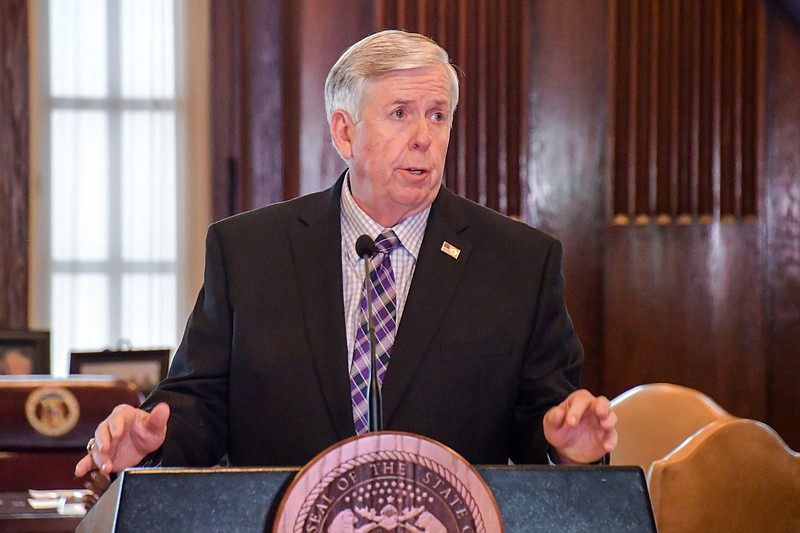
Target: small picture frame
x,y
24,352
146,368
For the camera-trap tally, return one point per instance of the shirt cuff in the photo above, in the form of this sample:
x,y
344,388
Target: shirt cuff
x,y
151,460
603,461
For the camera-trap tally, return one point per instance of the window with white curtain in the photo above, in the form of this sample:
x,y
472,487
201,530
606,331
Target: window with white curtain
x,y
112,163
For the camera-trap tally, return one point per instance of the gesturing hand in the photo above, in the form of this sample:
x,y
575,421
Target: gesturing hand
x,y
124,438
581,428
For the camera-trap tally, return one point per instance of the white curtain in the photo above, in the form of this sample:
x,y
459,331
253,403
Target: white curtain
x,y
111,121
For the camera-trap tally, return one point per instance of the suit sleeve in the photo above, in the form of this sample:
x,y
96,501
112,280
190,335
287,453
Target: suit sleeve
x,y
196,388
552,367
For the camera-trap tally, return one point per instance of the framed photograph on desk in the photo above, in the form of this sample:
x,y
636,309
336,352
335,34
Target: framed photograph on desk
x,y
24,352
146,368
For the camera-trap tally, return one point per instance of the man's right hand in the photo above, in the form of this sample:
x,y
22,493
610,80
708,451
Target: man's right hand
x,y
124,438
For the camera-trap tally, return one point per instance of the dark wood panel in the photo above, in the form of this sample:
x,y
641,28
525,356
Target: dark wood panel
x,y
565,183
320,34
660,78
753,116
703,302
667,96
782,191
644,103
247,57
227,150
486,39
684,304
264,104
14,164
620,130
708,113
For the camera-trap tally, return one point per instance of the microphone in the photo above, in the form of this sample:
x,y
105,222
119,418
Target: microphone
x,y
365,248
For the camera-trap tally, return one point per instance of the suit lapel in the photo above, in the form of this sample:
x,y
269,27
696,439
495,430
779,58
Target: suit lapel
x,y
435,279
316,248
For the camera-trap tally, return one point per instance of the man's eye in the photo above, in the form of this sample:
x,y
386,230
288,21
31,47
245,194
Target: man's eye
x,y
439,117
399,113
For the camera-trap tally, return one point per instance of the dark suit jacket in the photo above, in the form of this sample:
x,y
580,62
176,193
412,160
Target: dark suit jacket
x,y
484,348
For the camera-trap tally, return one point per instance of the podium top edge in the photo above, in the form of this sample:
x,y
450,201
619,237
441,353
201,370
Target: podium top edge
x,y
288,469
207,470
555,468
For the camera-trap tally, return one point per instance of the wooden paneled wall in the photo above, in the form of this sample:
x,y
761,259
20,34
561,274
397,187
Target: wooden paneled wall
x,y
566,176
486,40
270,59
701,277
14,164
781,233
688,109
273,60
247,112
685,303
626,111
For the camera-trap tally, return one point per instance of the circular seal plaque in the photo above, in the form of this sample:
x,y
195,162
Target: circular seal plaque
x,y
52,411
386,482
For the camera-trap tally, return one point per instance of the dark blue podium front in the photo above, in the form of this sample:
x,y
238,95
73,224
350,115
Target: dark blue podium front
x,y
530,498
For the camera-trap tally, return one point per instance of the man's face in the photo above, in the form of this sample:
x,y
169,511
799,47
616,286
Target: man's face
x,y
397,150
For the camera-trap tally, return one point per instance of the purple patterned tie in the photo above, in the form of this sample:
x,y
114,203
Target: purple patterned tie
x,y
384,306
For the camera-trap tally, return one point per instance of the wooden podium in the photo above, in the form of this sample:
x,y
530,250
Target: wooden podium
x,y
523,498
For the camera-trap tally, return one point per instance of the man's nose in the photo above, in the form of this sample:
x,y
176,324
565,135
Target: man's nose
x,y
421,137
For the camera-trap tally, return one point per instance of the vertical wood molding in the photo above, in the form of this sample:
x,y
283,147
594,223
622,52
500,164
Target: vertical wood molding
x,y
270,59
687,80
485,39
247,107
227,151
782,228
14,164
318,34
565,171
264,105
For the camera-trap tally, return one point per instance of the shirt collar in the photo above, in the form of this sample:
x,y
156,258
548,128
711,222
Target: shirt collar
x,y
355,222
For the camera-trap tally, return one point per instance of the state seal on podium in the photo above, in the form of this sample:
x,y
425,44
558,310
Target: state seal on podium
x,y
384,482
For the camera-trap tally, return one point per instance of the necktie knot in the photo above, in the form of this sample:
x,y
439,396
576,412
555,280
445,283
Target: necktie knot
x,y
387,241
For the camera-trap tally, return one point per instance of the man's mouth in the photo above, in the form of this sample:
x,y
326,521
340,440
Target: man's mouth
x,y
416,171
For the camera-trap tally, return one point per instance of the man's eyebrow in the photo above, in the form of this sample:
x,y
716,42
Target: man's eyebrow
x,y
401,102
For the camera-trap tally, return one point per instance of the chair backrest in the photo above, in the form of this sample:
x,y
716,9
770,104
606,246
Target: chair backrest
x,y
733,475
45,423
654,419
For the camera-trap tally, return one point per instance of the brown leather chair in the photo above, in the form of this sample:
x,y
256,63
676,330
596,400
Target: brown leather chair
x,y
45,423
733,475
655,418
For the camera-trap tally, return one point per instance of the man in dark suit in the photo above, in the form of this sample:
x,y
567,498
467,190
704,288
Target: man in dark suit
x,y
476,347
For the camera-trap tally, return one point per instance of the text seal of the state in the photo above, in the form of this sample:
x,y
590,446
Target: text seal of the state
x,y
388,481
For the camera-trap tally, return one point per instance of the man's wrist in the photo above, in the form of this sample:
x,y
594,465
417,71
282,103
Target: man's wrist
x,y
556,459
151,460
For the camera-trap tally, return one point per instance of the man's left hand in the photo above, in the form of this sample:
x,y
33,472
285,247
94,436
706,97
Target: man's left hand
x,y
581,429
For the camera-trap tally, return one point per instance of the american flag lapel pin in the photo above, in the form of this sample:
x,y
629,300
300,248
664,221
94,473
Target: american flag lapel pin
x,y
450,250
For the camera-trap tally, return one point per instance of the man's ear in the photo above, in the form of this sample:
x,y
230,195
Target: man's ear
x,y
343,133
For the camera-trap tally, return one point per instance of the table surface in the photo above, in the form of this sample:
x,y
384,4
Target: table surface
x,y
17,515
